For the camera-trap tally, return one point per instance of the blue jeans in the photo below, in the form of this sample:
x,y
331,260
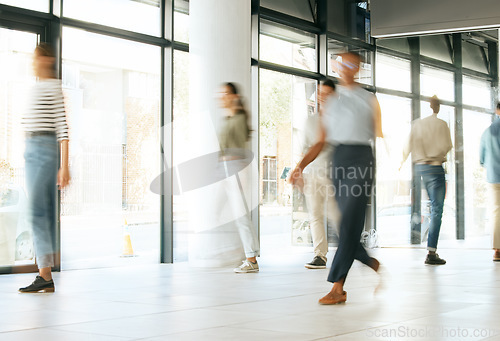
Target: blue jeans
x,y
41,156
435,184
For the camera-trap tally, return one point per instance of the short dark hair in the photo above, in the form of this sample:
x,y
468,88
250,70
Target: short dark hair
x,y
329,83
498,105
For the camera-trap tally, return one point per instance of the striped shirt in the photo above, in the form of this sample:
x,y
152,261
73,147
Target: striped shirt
x,y
46,109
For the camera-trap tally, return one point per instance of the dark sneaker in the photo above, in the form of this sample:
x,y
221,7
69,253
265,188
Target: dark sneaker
x,y
317,263
39,285
434,260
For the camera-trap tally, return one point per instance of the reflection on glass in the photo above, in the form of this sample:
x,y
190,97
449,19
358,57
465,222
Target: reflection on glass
x,y
393,73
35,5
16,242
296,8
437,82
477,92
137,16
181,21
393,186
448,225
474,57
285,102
181,141
365,74
112,90
397,44
476,188
287,46
437,47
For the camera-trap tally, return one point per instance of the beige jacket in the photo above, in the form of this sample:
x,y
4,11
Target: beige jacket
x,y
429,141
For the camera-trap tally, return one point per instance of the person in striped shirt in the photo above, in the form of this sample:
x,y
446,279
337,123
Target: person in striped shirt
x,y
46,157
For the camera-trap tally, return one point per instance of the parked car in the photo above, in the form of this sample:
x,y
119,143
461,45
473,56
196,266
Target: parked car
x,y
15,233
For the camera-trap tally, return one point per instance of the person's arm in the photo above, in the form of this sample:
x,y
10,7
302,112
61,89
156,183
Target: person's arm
x,y
406,149
61,125
295,177
63,176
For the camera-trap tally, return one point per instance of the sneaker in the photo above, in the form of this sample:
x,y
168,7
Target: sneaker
x,y
39,285
434,260
496,256
247,267
316,263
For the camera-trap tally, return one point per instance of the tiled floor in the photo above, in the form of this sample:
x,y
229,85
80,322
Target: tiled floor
x,y
458,301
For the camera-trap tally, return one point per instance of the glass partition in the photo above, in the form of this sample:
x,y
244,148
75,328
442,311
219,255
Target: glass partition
x,y
476,191
35,5
392,73
137,16
476,92
285,103
112,90
437,82
287,46
392,186
16,238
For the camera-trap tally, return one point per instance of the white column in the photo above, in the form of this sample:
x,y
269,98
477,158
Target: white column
x,y
220,51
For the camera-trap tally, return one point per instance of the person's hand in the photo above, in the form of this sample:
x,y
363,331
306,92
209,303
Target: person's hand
x,y
63,177
296,179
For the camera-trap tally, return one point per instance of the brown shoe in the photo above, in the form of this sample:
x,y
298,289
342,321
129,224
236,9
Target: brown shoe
x,y
333,298
496,256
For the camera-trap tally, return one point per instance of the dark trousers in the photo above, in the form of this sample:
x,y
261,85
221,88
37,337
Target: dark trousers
x,y
352,179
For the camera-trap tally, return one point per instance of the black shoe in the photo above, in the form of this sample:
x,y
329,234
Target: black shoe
x,y
317,263
433,259
39,284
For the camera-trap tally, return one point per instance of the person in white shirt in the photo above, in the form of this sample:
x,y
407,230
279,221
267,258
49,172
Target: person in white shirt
x,y
317,183
428,143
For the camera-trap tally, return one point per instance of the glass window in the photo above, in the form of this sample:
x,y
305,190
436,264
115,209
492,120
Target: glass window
x,y
393,73
35,5
137,16
393,186
476,187
476,92
296,8
436,47
283,45
285,103
16,239
112,90
474,57
365,74
182,135
437,82
397,44
181,21
448,226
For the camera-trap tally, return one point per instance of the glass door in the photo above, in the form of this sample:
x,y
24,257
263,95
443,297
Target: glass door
x,y
16,240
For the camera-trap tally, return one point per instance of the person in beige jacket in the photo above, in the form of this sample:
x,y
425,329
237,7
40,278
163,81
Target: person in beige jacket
x,y
428,143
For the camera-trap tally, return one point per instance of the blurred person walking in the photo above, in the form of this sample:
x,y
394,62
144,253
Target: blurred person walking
x,y
46,137
489,157
428,143
233,136
352,122
317,183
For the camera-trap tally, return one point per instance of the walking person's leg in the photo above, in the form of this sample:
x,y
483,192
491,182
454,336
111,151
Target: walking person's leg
x,y
435,184
237,199
315,199
352,193
495,219
41,179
